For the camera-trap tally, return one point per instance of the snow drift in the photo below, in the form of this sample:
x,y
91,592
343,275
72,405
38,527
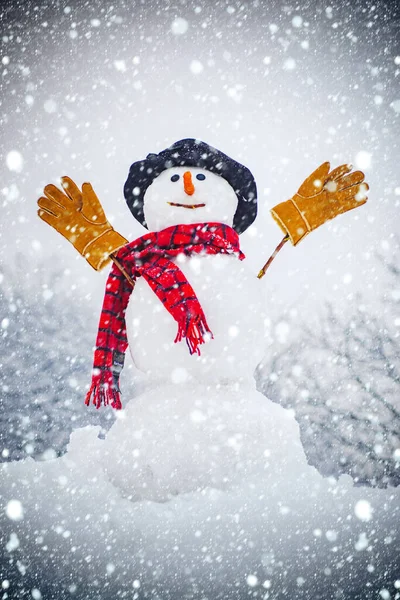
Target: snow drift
x,y
207,495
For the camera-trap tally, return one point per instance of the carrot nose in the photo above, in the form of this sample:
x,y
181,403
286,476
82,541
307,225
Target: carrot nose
x,y
188,183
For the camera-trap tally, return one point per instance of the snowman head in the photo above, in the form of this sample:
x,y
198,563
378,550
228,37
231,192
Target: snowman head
x,y
184,195
191,182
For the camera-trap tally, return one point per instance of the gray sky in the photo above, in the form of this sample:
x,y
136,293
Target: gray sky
x,y
281,87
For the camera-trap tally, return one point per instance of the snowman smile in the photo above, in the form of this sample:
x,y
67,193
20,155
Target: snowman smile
x,y
186,205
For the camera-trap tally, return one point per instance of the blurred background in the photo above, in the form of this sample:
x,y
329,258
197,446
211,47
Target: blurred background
x,y
89,88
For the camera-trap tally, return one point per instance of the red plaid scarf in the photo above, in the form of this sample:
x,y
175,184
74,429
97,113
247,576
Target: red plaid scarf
x,y
149,256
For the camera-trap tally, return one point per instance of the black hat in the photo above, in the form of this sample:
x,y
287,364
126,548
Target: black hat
x,y
193,153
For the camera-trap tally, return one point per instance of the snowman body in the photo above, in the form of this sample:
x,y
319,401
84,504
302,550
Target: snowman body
x,y
229,293
231,298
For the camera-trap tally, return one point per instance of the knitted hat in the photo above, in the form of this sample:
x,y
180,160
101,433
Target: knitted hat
x,y
193,153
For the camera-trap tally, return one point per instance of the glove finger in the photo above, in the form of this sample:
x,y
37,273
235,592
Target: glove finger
x,y
72,191
53,193
357,194
352,179
338,172
314,182
50,206
92,208
48,218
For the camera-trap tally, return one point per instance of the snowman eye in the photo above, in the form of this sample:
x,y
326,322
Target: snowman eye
x,y
200,177
174,178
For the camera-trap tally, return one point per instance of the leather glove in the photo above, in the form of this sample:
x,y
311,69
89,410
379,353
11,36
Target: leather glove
x,y
79,217
321,197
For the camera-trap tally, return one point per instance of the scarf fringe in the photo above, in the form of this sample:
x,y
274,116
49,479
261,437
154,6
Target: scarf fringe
x,y
193,330
103,394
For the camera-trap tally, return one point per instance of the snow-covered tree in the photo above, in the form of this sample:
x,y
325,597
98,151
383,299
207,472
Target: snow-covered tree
x,y
45,361
342,379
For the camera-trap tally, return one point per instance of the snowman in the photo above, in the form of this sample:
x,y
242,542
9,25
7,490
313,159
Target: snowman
x,y
202,186
183,300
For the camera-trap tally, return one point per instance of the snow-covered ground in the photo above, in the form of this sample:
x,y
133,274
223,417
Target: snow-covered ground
x,y
196,495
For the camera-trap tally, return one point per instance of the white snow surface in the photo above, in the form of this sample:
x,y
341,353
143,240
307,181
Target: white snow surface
x,y
180,439
198,491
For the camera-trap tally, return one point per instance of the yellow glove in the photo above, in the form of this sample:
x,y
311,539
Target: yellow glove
x,y
321,197
79,217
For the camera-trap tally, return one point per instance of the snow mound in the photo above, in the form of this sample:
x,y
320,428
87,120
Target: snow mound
x,y
195,493
173,441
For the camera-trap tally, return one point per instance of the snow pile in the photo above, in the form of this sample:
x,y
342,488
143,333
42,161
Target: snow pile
x,y
195,492
172,442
